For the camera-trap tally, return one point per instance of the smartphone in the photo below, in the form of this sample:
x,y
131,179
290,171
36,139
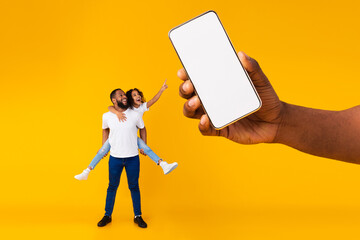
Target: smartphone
x,y
223,86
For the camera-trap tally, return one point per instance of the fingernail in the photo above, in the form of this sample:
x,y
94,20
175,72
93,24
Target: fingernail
x,y
202,120
191,102
247,57
185,87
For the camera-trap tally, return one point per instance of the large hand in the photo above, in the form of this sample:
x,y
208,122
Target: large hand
x,y
259,127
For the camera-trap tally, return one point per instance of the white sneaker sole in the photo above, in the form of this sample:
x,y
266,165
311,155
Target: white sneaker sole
x,y
80,178
171,169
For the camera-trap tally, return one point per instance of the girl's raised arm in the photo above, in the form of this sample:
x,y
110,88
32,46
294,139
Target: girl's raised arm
x,y
157,96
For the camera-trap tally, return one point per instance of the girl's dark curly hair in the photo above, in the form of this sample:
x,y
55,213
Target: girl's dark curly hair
x,y
131,100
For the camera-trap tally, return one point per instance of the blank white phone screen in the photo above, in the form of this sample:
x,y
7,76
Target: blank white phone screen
x,y
224,89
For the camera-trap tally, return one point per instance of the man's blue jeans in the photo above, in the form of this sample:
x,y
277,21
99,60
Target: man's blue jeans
x,y
132,168
106,148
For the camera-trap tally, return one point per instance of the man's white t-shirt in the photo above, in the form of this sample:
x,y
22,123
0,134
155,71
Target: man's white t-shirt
x,y
123,135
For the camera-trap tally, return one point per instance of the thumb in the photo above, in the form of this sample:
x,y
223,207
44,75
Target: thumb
x,y
253,68
205,127
250,64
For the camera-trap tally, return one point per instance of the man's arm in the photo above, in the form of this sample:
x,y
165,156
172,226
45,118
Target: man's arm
x,y
331,134
143,137
105,135
143,134
157,96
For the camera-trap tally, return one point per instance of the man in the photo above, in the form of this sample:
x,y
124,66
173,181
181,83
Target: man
x,y
123,153
330,134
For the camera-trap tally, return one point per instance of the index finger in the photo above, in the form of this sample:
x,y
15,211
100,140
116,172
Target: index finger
x,y
182,74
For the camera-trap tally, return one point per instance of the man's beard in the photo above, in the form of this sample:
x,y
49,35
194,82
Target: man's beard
x,y
121,105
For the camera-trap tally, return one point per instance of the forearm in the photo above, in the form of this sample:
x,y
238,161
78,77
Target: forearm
x,y
112,109
330,134
143,135
155,98
105,135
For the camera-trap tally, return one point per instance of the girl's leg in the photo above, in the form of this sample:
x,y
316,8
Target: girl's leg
x,y
100,154
148,151
167,168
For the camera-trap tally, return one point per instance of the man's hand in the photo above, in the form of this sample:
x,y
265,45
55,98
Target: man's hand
x,y
105,155
142,152
331,134
260,127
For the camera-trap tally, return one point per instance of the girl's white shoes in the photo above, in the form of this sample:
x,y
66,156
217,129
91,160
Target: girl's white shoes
x,y
84,175
168,167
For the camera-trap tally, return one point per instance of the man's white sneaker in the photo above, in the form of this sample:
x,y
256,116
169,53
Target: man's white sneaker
x,y
168,167
84,175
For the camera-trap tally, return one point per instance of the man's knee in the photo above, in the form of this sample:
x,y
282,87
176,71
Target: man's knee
x,y
134,187
113,187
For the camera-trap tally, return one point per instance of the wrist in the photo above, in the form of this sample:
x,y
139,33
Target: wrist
x,y
282,124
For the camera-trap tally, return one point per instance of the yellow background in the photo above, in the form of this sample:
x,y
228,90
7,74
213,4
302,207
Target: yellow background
x,y
60,60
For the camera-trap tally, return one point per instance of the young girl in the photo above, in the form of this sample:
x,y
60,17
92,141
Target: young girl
x,y
137,103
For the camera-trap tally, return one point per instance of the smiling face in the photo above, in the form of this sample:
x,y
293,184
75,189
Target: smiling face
x,y
137,99
120,99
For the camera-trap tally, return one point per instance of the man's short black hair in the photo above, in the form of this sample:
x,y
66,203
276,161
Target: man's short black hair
x,y
112,94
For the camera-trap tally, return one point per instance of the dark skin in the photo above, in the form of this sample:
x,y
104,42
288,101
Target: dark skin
x,y
331,134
